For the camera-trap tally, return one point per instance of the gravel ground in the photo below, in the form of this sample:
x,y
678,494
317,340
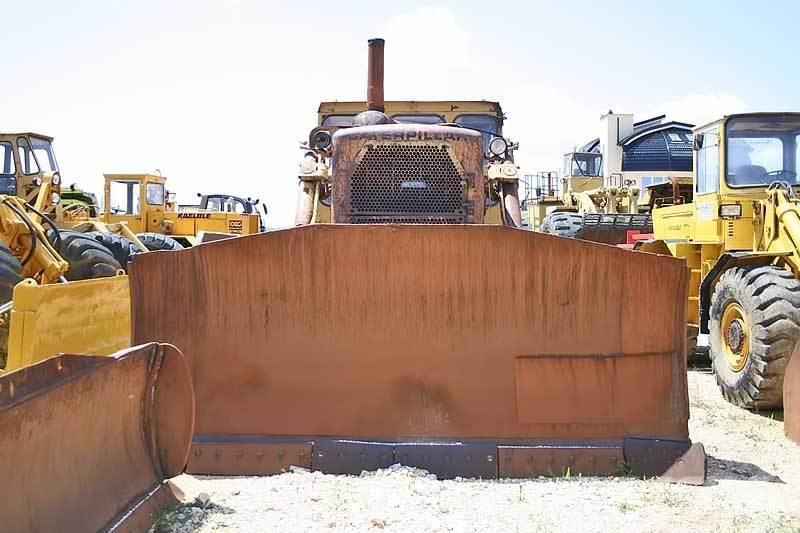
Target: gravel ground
x,y
753,485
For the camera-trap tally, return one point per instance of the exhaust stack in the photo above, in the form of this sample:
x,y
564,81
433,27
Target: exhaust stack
x,y
375,75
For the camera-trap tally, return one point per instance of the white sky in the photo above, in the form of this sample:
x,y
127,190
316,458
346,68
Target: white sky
x,y
218,95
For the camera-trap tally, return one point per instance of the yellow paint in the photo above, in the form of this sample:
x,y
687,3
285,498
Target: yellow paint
x,y
769,225
735,336
78,317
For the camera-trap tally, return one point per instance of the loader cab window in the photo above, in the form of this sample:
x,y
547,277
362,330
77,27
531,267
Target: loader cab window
x,y
227,203
708,164
155,194
589,165
487,125
124,198
26,158
762,150
43,150
8,182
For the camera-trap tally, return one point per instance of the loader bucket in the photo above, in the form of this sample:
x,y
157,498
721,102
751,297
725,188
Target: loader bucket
x,y
478,351
87,442
791,397
90,317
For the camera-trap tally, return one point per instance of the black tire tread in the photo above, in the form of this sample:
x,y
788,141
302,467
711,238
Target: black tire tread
x,y
156,242
562,223
10,273
87,258
770,297
121,248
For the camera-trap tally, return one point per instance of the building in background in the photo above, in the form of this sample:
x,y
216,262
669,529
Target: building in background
x,y
625,156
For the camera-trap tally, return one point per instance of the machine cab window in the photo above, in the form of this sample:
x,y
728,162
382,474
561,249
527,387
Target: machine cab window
x,y
487,125
589,165
155,193
762,150
8,181
124,198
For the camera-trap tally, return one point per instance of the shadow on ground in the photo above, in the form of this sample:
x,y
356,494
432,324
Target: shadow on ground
x,y
729,469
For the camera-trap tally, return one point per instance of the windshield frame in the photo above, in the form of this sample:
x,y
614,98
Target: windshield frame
x,y
573,163
788,154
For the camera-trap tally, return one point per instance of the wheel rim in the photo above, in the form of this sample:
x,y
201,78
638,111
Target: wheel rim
x,y
735,335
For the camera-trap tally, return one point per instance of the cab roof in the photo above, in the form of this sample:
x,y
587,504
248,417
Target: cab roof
x,y
411,107
725,118
25,134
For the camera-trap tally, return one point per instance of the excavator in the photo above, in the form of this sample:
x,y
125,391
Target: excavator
x,y
415,327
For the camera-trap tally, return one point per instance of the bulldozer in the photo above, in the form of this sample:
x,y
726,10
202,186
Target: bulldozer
x,y
422,327
408,319
740,236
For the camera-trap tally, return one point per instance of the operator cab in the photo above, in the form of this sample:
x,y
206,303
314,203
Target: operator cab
x,y
27,160
233,204
479,115
583,164
761,150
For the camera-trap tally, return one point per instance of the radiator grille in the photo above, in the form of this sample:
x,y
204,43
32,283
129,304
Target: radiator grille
x,y
405,183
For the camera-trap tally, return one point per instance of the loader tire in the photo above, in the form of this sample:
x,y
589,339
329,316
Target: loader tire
x,y
155,242
10,273
121,248
755,323
87,258
562,223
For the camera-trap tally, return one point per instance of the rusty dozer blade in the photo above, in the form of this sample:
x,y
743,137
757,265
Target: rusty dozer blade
x,y
467,350
86,442
791,397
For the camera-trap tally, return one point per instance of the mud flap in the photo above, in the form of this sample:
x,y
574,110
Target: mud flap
x,y
86,443
433,334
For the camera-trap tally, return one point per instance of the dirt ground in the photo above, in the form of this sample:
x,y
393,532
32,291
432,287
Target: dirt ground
x,y
753,485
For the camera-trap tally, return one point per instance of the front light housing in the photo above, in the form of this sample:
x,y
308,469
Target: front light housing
x,y
322,139
55,198
498,146
56,180
730,210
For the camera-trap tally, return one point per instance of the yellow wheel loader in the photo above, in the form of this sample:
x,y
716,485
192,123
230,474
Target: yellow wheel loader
x,y
740,237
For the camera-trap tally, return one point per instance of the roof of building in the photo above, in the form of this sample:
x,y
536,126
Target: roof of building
x,y
654,145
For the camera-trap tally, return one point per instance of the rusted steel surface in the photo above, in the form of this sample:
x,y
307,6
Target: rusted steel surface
x,y
251,458
403,331
690,468
791,397
588,459
676,461
408,173
86,442
375,75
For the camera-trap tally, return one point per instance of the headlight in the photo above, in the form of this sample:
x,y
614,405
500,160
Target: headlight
x,y
37,181
730,210
498,146
322,140
55,198
56,179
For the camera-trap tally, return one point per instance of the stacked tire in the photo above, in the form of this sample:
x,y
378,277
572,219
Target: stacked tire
x,y
562,223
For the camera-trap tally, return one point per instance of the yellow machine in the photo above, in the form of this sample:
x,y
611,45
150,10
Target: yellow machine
x,y
740,237
142,203
499,179
584,204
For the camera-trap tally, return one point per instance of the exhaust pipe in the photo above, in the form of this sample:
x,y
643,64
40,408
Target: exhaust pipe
x,y
375,75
